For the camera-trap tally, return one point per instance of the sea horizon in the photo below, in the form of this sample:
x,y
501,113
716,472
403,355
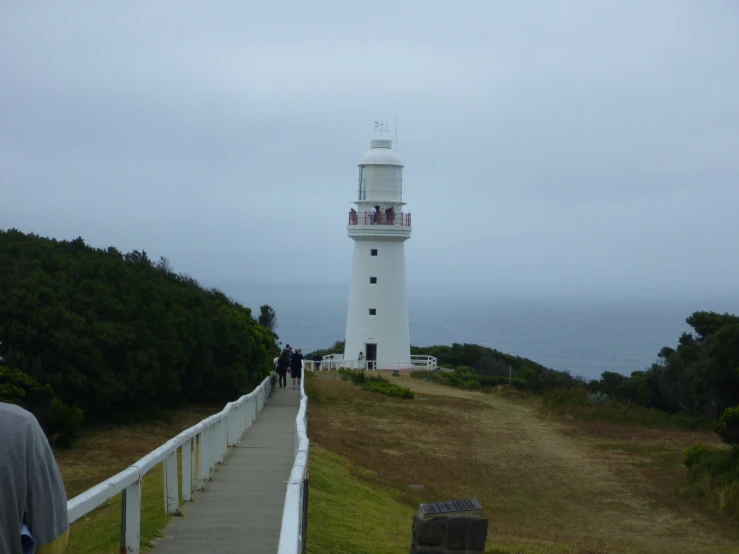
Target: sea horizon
x,y
585,332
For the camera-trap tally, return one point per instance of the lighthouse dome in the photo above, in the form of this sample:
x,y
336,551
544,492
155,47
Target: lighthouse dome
x,y
380,153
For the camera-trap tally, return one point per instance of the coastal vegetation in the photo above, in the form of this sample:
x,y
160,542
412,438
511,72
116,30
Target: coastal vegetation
x,y
376,383
699,377
91,335
694,386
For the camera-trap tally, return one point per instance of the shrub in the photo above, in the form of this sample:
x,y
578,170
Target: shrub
x,y
356,377
554,398
713,474
390,389
598,399
376,383
64,422
495,380
695,454
728,426
60,422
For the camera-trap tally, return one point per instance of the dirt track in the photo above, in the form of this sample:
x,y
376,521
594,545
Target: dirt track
x,y
571,491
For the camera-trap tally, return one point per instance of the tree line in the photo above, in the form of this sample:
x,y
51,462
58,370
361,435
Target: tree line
x,y
699,376
101,335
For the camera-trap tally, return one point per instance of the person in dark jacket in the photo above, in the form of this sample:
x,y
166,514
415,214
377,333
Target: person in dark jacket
x,y
317,359
296,366
282,364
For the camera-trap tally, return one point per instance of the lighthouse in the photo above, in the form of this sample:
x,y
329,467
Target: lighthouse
x,y
377,317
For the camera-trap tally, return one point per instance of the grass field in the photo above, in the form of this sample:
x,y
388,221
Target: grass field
x,y
104,451
351,515
546,484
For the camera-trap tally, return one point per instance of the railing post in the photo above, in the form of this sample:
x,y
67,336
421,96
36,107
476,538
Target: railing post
x,y
187,470
201,469
219,441
214,448
133,518
224,436
171,497
210,451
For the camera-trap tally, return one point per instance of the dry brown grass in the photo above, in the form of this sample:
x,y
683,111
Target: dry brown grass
x,y
546,486
103,451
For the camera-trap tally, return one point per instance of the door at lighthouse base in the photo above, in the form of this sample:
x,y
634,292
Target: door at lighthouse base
x,y
371,350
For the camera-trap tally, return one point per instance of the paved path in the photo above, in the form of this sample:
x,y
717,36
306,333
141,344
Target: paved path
x,y
240,510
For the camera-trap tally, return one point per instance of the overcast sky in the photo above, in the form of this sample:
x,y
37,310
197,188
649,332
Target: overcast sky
x,y
548,145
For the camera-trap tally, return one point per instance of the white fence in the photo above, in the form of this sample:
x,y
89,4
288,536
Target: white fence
x,y
203,446
334,362
294,513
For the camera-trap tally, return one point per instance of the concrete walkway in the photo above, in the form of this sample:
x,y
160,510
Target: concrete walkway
x,y
240,509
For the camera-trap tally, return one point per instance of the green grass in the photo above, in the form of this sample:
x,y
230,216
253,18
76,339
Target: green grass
x,y
345,514
99,531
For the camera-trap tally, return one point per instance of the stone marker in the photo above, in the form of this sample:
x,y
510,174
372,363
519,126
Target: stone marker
x,y
455,527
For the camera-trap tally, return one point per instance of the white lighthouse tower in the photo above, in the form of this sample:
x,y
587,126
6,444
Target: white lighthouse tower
x,y
377,318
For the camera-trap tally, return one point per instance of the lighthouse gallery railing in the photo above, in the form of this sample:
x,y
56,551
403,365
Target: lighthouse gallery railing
x,y
366,218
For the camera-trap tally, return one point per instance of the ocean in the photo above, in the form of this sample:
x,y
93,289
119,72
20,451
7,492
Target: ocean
x,y
585,335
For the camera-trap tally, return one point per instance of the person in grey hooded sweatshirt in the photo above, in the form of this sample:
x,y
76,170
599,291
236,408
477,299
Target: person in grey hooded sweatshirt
x,y
33,503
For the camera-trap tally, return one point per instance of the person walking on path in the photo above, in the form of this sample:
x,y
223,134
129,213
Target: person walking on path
x,y
33,503
282,364
296,366
361,360
317,359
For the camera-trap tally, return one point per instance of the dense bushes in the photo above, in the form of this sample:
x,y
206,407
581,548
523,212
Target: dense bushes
x,y
728,426
466,378
700,376
116,334
713,474
375,383
60,422
598,408
477,366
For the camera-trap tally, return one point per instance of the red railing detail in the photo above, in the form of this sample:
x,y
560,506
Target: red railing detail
x,y
366,218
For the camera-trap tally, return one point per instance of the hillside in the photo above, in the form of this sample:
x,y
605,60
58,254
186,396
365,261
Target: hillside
x,y
98,335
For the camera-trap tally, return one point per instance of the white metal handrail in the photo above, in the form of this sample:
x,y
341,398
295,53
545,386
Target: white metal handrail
x,y
417,363
292,531
203,446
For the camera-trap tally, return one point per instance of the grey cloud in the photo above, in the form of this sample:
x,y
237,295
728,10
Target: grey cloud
x,y
547,144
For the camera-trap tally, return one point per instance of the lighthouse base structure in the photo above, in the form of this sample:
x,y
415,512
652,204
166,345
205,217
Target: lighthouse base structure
x,y
377,318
